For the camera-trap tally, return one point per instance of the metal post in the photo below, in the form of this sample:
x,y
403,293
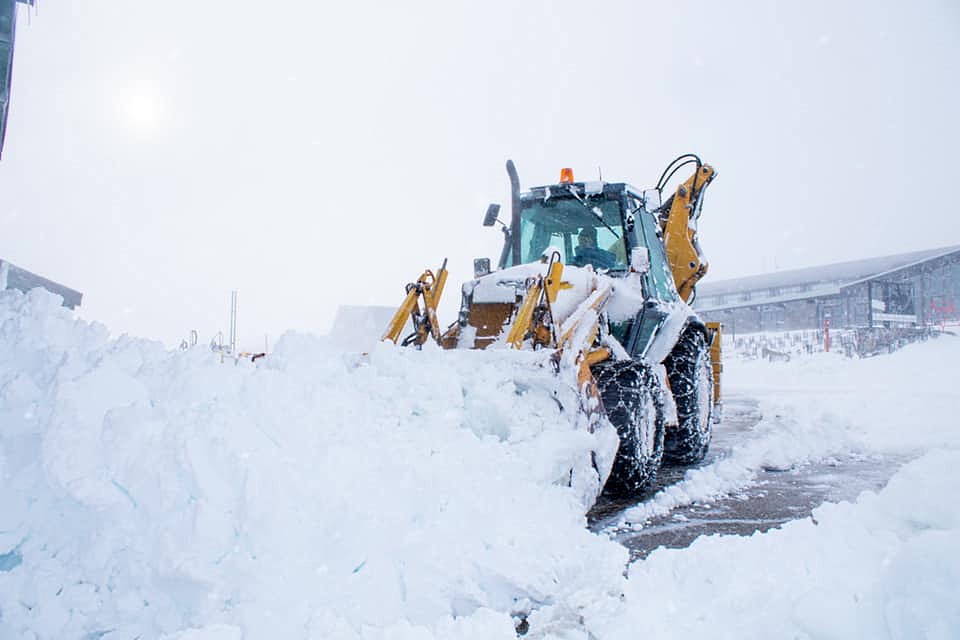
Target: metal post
x,y
233,323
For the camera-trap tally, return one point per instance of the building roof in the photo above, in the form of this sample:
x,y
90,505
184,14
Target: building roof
x,y
840,273
14,277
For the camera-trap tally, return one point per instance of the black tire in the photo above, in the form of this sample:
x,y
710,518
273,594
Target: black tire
x,y
690,373
633,400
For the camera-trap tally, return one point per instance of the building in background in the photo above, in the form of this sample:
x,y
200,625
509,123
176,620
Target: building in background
x,y
360,327
8,33
915,289
13,277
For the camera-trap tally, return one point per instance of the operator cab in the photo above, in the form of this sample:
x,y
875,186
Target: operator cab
x,y
583,223
560,218
595,223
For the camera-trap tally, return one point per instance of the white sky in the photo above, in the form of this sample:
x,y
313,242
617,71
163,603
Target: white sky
x,y
309,154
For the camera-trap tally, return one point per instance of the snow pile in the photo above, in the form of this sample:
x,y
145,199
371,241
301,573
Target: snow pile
x,y
886,567
317,494
897,402
403,495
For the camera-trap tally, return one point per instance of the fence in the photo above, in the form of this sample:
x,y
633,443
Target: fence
x,y
859,342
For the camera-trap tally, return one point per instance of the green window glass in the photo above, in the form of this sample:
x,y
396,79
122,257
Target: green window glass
x,y
660,276
582,233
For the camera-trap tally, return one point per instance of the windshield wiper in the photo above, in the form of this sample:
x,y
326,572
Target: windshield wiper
x,y
595,210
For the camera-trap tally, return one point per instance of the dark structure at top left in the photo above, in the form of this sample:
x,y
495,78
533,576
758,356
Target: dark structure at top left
x,y
8,32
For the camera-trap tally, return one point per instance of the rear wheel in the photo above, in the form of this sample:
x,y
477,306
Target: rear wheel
x,y
633,401
690,373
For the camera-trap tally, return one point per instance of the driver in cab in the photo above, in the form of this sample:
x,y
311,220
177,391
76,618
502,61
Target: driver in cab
x,y
586,251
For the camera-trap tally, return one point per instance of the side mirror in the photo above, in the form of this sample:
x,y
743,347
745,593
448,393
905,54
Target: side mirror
x,y
481,266
651,200
640,260
491,216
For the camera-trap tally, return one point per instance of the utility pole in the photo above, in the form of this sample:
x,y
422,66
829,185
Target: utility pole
x,y
233,323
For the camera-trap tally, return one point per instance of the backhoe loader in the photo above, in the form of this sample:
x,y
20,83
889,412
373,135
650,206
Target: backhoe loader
x,y
600,276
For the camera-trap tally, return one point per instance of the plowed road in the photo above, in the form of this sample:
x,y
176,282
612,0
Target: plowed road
x,y
776,497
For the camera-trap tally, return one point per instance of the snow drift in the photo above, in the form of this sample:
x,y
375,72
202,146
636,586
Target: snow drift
x,y
321,494
150,491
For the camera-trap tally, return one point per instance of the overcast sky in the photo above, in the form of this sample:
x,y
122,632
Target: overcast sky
x,y
311,154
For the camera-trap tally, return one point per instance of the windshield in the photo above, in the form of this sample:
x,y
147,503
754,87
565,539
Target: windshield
x,y
574,230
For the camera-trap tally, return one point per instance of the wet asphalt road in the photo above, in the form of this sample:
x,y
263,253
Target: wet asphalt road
x,y
775,497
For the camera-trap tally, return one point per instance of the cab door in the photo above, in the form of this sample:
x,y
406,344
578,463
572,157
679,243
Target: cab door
x,y
659,289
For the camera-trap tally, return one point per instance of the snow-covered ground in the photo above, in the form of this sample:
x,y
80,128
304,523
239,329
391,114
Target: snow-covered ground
x,y
320,494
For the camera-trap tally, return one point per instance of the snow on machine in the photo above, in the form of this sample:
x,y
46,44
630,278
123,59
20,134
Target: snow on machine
x,y
598,276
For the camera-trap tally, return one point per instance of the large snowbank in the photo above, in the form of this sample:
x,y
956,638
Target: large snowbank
x,y
320,494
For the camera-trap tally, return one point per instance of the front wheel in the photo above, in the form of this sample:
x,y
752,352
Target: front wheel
x,y
632,398
690,373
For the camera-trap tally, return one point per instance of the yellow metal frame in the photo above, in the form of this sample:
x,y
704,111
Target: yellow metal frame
x,y
679,236
526,323
521,325
542,288
425,322
715,329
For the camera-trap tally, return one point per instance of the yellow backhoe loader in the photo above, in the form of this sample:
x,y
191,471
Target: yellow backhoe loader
x,y
601,275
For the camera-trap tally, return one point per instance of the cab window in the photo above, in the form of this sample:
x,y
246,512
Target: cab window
x,y
660,277
581,234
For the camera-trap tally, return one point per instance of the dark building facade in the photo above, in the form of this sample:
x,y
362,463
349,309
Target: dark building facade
x,y
14,277
921,288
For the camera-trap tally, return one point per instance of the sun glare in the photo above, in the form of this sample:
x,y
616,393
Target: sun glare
x,y
141,112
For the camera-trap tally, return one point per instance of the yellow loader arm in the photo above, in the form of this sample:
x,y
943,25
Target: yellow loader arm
x,y
531,325
679,228
425,322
